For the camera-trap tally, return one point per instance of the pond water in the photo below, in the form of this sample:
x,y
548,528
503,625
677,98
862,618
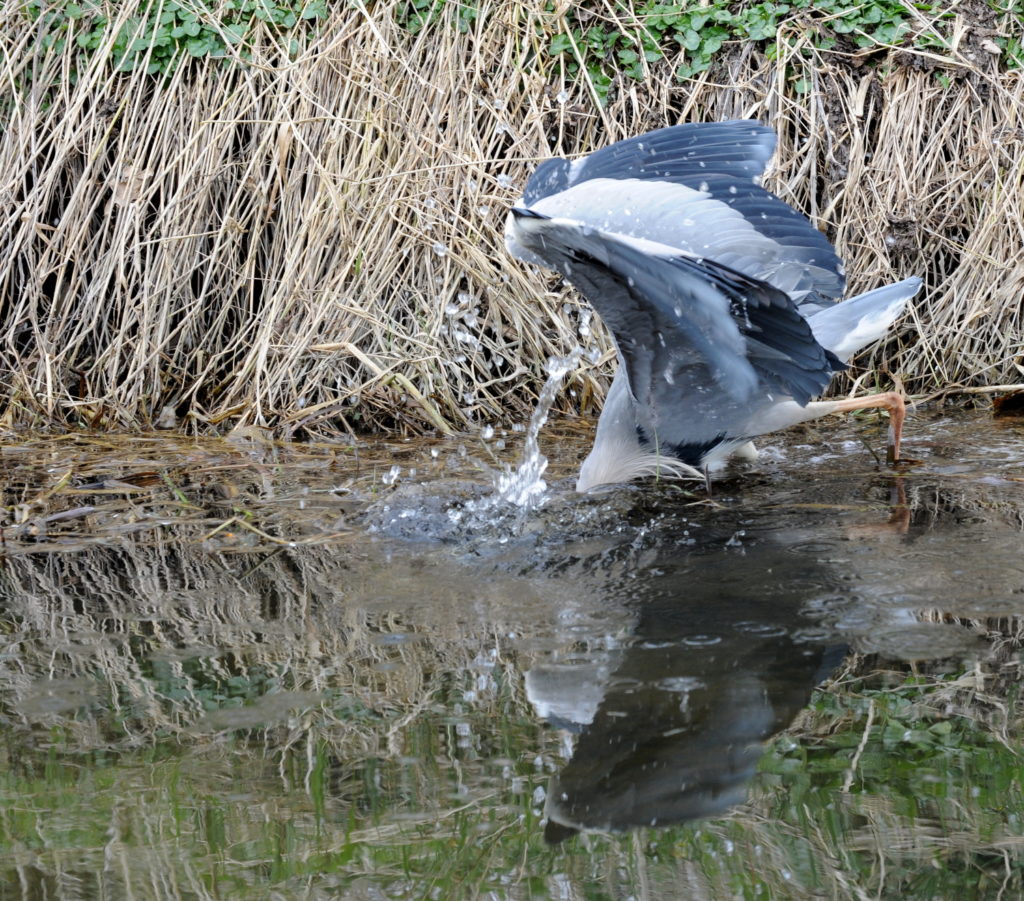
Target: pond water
x,y
239,669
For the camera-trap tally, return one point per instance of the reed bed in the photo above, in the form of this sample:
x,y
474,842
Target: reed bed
x,y
313,242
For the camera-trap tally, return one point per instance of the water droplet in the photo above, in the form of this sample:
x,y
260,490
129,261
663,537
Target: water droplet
x,y
440,249
702,641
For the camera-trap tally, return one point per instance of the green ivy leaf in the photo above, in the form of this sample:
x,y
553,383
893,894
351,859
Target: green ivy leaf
x,y
560,43
691,39
197,46
712,43
315,9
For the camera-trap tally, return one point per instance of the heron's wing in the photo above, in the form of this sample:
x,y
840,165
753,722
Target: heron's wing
x,y
740,148
696,337
753,231
737,147
645,187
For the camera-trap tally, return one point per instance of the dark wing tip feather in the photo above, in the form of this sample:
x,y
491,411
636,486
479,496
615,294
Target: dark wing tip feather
x,y
737,147
521,212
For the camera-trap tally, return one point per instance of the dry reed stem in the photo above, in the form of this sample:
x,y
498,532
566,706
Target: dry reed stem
x,y
316,244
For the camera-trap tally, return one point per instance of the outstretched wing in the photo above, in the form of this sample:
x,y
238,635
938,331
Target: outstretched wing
x,y
739,148
702,344
694,187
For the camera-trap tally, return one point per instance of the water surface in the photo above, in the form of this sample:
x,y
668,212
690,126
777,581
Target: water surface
x,y
245,670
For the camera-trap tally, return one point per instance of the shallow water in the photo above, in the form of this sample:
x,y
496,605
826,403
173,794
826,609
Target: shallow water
x,y
246,670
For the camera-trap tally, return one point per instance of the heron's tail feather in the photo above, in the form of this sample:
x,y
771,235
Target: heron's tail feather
x,y
847,327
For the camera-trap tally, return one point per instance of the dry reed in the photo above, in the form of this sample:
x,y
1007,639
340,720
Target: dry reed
x,y
315,244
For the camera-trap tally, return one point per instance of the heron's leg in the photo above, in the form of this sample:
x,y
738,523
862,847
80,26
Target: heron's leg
x,y
889,400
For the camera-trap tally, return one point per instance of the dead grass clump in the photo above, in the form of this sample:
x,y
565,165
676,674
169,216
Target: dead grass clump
x,y
315,243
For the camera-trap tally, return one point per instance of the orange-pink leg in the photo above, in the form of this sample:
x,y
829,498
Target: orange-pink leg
x,y
891,401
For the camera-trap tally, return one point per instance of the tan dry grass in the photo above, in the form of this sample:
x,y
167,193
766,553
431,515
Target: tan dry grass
x,y
316,244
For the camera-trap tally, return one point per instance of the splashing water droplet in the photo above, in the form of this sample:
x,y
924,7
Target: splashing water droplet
x,y
525,487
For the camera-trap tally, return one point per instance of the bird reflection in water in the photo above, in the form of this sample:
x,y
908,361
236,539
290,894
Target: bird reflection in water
x,y
669,726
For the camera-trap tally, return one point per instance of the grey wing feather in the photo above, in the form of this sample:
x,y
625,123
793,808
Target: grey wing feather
x,y
737,147
690,331
718,159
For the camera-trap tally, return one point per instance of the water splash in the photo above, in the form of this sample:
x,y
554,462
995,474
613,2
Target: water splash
x,y
524,486
504,512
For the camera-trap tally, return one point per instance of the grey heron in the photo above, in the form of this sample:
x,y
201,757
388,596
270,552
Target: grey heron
x,y
722,300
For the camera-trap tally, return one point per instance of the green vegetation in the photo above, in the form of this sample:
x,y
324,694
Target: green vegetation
x,y
159,36
415,15
646,32
589,37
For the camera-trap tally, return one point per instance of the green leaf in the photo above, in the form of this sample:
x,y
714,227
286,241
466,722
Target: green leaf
x,y
315,9
560,43
712,44
197,46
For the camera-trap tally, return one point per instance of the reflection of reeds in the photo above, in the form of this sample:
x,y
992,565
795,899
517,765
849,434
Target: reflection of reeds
x,y
189,708
316,243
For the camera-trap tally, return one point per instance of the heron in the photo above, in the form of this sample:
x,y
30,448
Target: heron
x,y
723,301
